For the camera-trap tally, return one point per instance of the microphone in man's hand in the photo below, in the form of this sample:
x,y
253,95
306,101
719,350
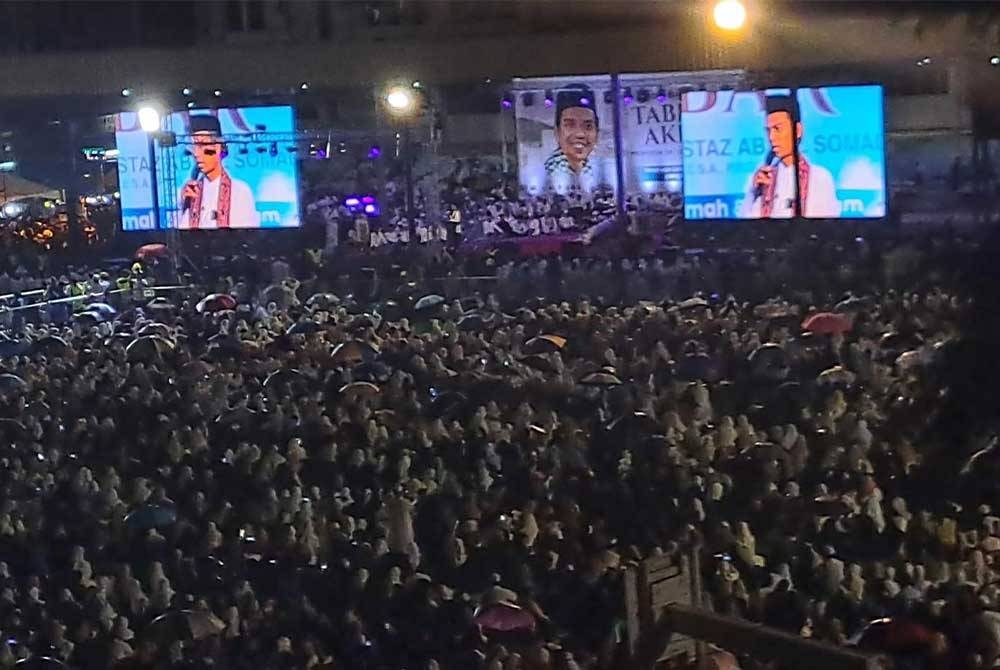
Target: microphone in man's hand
x,y
769,161
196,174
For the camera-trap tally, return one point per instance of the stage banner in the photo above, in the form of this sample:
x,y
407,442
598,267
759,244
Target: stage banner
x,y
227,168
565,134
651,125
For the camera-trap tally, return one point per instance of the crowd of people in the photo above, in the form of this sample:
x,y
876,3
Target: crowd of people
x,y
287,470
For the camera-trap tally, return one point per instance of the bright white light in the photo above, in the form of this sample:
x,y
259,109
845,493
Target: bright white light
x,y
304,86
217,93
399,100
995,60
186,91
730,14
126,92
149,118
417,84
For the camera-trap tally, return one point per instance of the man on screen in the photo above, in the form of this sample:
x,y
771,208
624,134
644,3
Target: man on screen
x,y
212,198
771,192
576,135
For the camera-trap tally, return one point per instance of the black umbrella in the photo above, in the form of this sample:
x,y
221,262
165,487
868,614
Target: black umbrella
x,y
323,300
429,303
283,377
354,352
471,303
40,663
600,379
695,367
160,303
447,404
151,516
11,429
304,328
637,422
540,363
158,329
183,625
148,348
12,384
473,321
14,348
390,310
51,344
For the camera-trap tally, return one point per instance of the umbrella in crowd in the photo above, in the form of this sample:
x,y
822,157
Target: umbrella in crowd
x,y
473,321
769,361
14,347
837,375
89,319
693,303
152,251
102,308
356,390
216,302
148,348
544,344
183,625
323,300
827,323
539,362
504,617
12,384
158,329
160,303
304,327
40,663
353,352
51,344
600,379
150,516
853,304
428,302
282,378
447,404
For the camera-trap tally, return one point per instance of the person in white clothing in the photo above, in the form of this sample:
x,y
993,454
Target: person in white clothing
x,y
770,193
214,199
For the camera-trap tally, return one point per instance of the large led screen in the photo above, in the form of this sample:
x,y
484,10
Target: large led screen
x,y
565,135
225,170
781,153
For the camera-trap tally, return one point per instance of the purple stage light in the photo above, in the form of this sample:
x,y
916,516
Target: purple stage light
x,y
368,199
585,102
548,102
320,153
506,104
369,209
374,152
352,202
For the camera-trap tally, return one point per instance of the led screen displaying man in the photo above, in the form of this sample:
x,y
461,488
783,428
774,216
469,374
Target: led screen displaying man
x,y
212,198
771,191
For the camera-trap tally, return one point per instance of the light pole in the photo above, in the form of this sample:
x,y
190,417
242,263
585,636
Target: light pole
x,y
401,105
149,121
